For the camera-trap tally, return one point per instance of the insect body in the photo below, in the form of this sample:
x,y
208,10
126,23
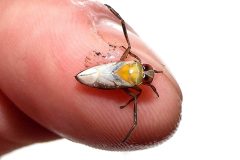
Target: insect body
x,y
123,75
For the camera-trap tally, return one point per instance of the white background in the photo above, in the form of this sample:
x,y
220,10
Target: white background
x,y
200,43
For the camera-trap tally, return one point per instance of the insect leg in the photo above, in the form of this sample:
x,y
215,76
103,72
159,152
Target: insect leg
x,y
132,99
134,116
150,85
134,123
133,55
153,88
124,56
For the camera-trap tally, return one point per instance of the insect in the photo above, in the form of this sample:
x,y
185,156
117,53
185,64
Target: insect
x,y
123,75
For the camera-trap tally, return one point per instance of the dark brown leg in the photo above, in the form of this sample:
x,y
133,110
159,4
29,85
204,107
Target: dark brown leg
x,y
133,55
134,115
153,88
150,85
134,123
132,99
124,56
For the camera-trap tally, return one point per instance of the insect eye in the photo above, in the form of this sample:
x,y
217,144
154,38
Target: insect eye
x,y
147,67
147,79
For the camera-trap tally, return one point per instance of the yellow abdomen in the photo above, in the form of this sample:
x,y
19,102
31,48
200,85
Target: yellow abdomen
x,y
131,73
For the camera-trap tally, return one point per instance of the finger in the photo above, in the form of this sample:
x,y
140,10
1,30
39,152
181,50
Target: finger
x,y
16,129
41,56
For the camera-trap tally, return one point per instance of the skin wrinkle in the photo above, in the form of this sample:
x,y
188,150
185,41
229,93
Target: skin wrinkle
x,y
41,69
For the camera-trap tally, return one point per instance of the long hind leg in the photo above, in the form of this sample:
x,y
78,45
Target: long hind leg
x,y
135,115
126,52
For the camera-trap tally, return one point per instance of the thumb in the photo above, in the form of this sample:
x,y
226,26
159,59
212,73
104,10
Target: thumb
x,y
40,57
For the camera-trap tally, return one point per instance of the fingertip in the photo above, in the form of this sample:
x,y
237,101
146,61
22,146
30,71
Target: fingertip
x,y
56,100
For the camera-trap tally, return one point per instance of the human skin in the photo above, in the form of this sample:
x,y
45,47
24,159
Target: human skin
x,y
43,45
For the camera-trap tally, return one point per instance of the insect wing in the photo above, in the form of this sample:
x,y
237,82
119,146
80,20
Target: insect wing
x,y
101,76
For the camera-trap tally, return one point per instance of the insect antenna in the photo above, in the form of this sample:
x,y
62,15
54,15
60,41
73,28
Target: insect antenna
x,y
155,71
